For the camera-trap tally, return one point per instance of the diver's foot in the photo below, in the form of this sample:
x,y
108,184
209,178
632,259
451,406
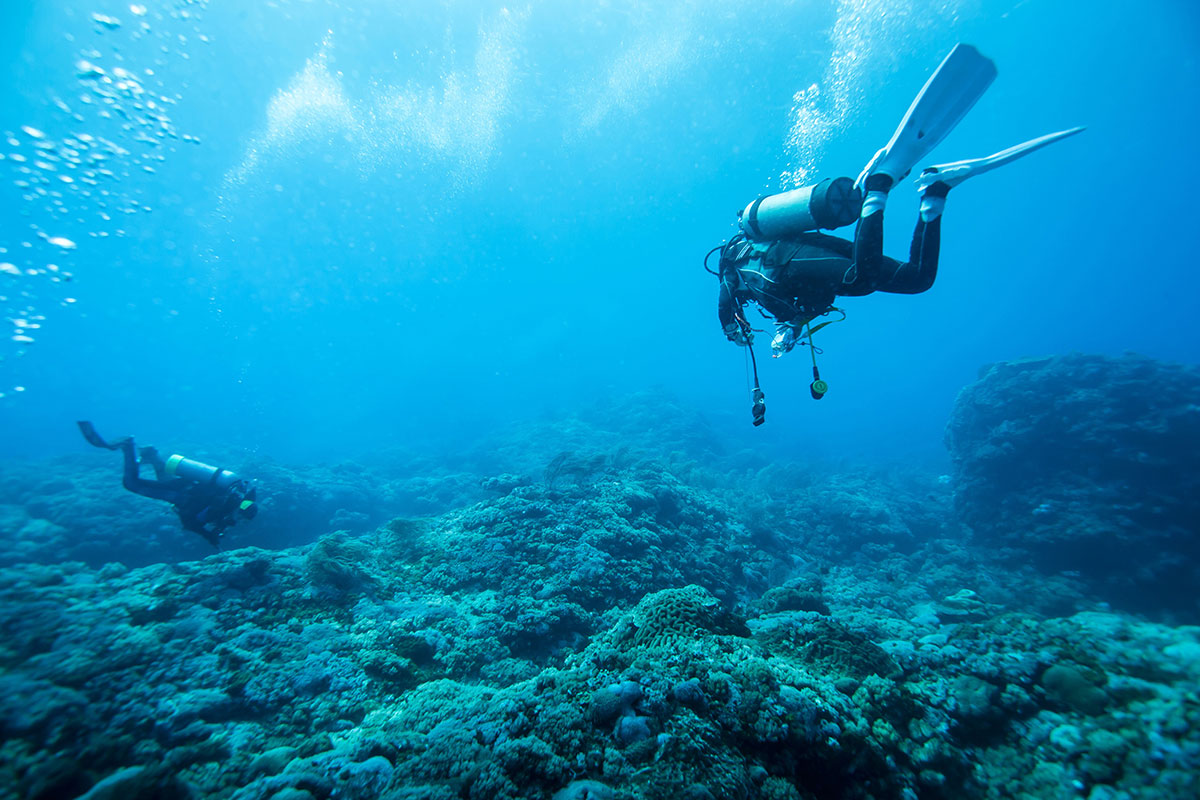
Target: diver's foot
x,y
943,179
875,193
936,189
955,172
933,200
879,182
879,169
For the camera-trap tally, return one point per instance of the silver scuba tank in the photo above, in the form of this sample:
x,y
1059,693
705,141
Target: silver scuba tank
x,y
180,467
832,203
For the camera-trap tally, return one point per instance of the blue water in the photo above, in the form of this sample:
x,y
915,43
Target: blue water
x,y
431,275
416,222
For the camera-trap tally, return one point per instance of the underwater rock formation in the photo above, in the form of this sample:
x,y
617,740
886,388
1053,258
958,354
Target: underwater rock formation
x,y
621,634
74,509
236,677
1088,465
604,622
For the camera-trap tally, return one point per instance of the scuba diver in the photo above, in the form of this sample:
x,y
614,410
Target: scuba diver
x,y
208,499
781,261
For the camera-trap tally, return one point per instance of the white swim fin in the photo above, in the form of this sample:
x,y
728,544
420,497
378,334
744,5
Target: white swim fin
x,y
955,86
956,172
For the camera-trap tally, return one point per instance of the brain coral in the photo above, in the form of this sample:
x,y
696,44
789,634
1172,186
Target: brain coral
x,y
669,617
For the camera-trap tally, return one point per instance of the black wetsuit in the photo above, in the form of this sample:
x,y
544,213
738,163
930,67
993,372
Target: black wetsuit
x,y
203,508
797,279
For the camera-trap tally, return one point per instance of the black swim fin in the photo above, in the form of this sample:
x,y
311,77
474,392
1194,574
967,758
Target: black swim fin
x,y
89,432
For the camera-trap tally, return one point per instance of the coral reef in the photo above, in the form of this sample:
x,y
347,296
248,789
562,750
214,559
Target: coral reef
x,y
74,509
1088,465
252,675
613,623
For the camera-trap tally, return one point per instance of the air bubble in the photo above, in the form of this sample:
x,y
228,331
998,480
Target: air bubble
x,y
111,23
86,69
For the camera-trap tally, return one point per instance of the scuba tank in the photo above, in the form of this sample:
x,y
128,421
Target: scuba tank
x,y
832,203
180,467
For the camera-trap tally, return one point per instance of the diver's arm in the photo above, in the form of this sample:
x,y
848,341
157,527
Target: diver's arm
x,y
189,518
727,310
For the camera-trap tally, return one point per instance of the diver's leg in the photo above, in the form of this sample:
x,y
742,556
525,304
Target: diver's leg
x,y
132,481
130,477
863,276
150,456
920,272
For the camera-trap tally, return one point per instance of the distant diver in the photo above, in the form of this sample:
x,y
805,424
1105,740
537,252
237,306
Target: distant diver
x,y
780,261
208,499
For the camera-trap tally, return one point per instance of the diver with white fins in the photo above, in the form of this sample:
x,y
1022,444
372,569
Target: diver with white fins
x,y
781,261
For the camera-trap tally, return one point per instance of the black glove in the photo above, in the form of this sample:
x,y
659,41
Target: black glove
x,y
735,334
